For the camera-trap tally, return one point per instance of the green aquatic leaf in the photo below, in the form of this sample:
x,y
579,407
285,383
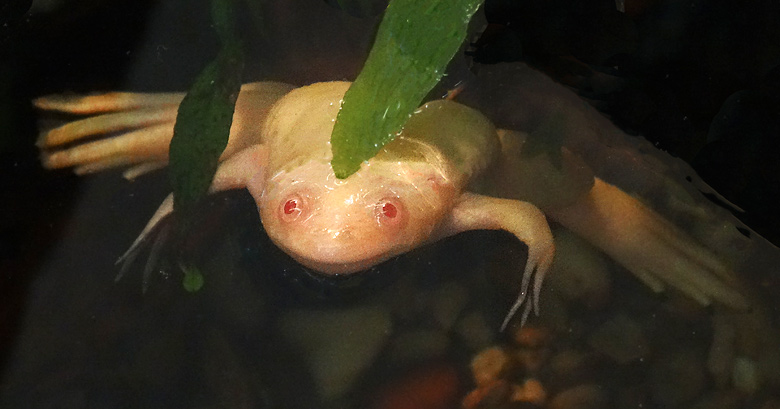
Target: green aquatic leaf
x,y
193,279
202,129
415,42
205,116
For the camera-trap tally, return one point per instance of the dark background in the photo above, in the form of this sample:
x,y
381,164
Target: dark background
x,y
700,79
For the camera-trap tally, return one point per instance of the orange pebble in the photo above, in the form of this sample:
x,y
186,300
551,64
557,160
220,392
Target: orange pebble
x,y
531,337
432,387
492,394
530,391
489,365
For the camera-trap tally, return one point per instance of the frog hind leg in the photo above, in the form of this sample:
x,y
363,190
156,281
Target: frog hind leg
x,y
117,129
654,250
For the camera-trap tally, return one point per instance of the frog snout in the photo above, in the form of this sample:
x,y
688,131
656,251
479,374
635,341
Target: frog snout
x,y
344,233
343,241
337,250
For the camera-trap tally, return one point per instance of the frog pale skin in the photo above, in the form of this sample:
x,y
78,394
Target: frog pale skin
x,y
449,171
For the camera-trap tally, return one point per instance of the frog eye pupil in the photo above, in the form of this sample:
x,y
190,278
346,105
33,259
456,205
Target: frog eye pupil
x,y
389,210
290,206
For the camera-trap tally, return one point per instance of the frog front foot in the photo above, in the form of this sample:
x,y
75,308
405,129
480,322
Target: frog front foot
x,y
527,223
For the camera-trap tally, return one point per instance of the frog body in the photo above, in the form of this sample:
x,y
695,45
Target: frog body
x,y
450,170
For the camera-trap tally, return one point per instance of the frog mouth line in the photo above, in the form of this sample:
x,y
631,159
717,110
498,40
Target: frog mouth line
x,y
333,266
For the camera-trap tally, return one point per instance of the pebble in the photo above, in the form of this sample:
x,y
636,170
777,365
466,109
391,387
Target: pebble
x,y
588,396
580,272
431,387
531,337
620,338
570,367
530,391
415,346
338,344
532,360
745,376
553,312
759,340
490,365
448,303
488,396
474,330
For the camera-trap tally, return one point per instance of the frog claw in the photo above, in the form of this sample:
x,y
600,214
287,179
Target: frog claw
x,y
523,220
540,259
127,259
161,234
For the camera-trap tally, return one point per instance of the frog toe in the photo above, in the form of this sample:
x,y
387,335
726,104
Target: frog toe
x,y
120,129
143,145
540,259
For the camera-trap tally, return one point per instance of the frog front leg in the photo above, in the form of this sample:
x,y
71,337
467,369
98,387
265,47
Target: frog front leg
x,y
245,169
525,221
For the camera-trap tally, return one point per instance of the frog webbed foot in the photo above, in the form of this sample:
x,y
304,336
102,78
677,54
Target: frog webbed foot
x,y
527,223
649,246
118,129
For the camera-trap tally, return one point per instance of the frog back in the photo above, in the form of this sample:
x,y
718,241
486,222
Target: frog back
x,y
457,141
300,123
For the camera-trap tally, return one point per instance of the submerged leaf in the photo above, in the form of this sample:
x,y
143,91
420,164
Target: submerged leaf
x,y
205,116
193,279
202,129
415,42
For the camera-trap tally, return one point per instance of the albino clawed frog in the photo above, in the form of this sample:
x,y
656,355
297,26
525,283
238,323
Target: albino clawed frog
x,y
449,171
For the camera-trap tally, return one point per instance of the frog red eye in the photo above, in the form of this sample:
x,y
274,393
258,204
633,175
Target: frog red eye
x,y
290,206
389,210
